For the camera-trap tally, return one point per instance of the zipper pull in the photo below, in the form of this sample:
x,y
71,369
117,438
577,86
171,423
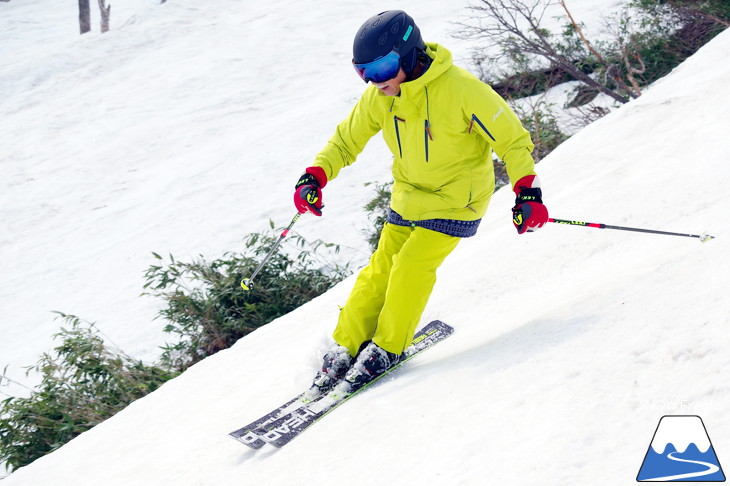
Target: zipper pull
x,y
427,126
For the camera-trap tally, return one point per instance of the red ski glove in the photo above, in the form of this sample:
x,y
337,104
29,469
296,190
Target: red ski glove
x,y
308,191
529,213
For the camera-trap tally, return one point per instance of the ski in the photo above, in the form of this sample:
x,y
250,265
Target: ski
x,y
280,431
246,435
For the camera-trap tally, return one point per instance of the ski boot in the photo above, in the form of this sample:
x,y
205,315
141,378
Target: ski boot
x,y
335,363
372,362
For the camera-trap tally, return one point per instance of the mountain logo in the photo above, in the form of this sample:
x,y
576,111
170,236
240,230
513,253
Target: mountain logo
x,y
681,451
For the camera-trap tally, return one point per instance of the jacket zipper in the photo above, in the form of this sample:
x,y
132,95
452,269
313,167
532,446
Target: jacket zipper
x,y
427,125
479,122
427,136
397,133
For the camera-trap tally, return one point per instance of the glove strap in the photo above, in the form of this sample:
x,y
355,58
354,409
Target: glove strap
x,y
307,180
529,194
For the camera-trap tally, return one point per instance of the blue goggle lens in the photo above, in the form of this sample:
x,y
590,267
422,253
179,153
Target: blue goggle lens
x,y
379,70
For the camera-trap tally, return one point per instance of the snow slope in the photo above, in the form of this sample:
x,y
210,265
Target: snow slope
x,y
180,131
570,343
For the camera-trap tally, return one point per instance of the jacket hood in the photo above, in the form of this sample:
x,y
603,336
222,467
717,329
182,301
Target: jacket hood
x,y
441,62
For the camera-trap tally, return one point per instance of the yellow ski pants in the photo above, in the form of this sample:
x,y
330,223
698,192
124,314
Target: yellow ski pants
x,y
390,294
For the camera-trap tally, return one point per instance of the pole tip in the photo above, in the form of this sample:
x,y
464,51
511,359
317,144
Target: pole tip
x,y
705,237
246,284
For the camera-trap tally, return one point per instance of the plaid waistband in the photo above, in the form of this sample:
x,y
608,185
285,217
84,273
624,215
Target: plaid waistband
x,y
451,227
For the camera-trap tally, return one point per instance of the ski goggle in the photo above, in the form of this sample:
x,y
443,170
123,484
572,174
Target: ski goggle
x,y
379,70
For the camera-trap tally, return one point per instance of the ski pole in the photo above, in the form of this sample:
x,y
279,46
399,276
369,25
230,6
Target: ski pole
x,y
246,282
703,237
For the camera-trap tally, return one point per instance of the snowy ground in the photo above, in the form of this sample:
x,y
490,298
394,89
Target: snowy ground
x,y
570,343
180,131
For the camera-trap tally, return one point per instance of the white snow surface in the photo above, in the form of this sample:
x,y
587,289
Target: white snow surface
x,y
185,127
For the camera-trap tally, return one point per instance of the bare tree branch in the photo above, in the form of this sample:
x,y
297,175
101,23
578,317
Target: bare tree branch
x,y
580,33
631,71
515,25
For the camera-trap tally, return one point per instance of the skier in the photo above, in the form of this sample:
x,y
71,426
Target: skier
x,y
441,123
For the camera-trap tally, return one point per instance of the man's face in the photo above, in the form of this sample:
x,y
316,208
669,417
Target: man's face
x,y
392,86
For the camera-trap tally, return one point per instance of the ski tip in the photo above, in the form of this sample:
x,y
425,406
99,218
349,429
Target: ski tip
x,y
440,324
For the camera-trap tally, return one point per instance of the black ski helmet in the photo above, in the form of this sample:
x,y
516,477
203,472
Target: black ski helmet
x,y
387,31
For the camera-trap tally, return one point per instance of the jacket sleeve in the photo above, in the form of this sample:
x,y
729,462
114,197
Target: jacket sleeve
x,y
350,137
492,117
